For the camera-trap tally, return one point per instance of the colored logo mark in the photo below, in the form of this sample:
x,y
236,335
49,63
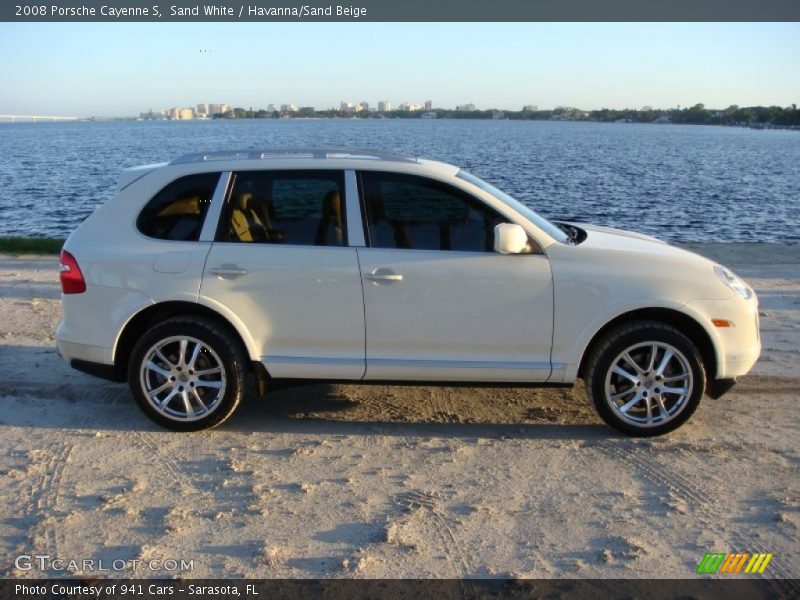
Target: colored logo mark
x,y
737,562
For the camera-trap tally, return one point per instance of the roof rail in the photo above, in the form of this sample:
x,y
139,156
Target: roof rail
x,y
322,152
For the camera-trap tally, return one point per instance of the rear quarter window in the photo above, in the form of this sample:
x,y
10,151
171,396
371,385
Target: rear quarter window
x,y
177,212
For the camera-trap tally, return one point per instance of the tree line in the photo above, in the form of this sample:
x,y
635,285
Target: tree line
x,y
698,115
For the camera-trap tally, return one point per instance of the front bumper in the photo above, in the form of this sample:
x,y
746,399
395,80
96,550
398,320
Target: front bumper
x,y
738,346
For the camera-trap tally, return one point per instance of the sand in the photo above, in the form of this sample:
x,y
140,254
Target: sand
x,y
384,481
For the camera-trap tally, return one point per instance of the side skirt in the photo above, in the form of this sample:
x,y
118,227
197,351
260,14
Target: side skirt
x,y
274,384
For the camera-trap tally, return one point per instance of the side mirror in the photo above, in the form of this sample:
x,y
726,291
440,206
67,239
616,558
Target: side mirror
x,y
510,238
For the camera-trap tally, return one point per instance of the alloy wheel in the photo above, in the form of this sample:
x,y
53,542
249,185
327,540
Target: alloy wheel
x,y
649,384
182,378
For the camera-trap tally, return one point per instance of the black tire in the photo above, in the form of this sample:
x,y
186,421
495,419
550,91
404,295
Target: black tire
x,y
205,408
642,339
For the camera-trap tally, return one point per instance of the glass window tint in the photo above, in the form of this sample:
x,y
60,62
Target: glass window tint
x,y
405,211
549,228
286,207
177,212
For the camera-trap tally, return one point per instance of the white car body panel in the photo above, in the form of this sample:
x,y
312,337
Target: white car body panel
x,y
478,316
89,332
737,348
615,272
302,306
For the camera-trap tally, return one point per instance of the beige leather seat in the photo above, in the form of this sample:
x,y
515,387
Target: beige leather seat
x,y
246,224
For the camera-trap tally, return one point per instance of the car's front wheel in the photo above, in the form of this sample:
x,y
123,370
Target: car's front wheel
x,y
187,373
645,378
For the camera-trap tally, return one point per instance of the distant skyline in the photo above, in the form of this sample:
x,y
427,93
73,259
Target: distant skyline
x,y
119,69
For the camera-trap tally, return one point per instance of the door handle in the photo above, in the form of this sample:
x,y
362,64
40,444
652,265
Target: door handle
x,y
378,275
225,272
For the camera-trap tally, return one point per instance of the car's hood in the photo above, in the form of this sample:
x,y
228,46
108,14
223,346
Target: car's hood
x,y
620,232
632,261
608,238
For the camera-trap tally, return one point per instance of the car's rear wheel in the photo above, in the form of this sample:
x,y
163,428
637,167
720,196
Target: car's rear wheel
x,y
187,373
645,378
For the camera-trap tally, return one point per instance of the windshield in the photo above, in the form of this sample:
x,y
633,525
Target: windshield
x,y
538,220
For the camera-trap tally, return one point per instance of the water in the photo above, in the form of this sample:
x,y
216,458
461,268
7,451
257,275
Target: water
x,y
680,183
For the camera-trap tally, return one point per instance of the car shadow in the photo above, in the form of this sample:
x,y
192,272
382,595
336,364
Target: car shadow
x,y
39,390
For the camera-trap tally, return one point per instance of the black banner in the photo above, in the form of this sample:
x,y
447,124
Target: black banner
x,y
402,10
276,589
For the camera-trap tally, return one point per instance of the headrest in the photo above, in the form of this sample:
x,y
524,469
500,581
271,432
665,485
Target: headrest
x,y
241,201
332,203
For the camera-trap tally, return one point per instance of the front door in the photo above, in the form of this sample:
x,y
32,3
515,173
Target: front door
x,y
440,304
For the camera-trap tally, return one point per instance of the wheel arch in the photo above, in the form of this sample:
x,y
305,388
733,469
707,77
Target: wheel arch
x,y
681,321
155,313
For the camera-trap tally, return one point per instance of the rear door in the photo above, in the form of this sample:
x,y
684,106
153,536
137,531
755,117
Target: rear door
x,y
440,304
281,264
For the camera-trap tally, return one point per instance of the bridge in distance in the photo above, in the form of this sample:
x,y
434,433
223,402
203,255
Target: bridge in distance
x,y
13,118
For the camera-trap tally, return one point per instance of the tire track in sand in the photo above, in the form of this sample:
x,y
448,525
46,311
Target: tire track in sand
x,y
782,578
149,444
429,503
41,502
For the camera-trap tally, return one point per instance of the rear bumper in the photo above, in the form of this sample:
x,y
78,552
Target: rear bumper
x,y
109,372
94,360
70,351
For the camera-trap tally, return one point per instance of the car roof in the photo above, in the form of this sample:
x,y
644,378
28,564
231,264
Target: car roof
x,y
321,152
322,158
314,157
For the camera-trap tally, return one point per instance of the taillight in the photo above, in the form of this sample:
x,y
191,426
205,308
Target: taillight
x,y
71,277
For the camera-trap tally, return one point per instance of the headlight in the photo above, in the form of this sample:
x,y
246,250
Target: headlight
x,y
730,279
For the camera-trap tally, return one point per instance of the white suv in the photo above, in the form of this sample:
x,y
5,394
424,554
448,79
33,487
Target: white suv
x,y
364,266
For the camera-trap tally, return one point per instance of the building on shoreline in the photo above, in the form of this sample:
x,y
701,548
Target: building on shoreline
x,y
179,114
214,109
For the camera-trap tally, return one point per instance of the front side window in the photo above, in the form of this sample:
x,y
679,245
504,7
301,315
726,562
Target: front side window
x,y
177,212
406,211
286,207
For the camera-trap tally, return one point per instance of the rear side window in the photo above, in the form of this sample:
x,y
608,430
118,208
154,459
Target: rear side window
x,y
286,207
177,212
407,211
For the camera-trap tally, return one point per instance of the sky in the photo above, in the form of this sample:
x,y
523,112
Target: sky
x,y
122,69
